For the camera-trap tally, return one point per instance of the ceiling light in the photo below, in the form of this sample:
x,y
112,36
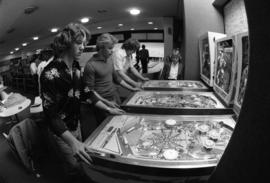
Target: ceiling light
x,y
150,23
35,38
84,20
120,25
134,11
24,44
132,29
11,52
155,28
17,49
54,29
99,27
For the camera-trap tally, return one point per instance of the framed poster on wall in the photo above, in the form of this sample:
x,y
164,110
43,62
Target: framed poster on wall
x,y
242,45
207,55
225,69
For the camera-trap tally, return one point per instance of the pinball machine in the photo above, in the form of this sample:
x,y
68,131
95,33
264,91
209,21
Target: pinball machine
x,y
174,85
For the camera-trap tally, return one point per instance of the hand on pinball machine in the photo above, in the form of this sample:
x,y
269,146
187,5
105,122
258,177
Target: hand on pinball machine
x,y
145,79
137,89
111,104
116,111
80,152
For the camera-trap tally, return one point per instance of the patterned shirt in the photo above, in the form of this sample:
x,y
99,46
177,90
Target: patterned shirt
x,y
61,104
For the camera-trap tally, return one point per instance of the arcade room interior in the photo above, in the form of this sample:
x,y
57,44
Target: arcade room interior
x,y
136,91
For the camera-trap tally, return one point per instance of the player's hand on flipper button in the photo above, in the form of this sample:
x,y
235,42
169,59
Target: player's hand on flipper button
x,y
116,111
80,152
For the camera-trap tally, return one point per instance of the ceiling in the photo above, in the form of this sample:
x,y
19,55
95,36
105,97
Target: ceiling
x,y
18,27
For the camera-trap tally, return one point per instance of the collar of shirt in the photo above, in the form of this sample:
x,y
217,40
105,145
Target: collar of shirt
x,y
97,57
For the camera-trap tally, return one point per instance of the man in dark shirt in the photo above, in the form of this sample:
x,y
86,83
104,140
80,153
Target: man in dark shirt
x,y
60,101
99,77
144,57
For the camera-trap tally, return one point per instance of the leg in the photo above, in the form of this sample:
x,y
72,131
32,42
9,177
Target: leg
x,y
64,153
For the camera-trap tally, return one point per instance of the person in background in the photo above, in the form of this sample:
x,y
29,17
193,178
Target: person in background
x,y
99,77
137,60
173,67
3,94
34,62
144,57
61,105
123,62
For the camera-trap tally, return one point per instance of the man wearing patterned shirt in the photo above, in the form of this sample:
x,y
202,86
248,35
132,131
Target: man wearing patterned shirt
x,y
61,103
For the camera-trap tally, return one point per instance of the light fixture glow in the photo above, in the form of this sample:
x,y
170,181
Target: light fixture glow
x,y
54,30
132,29
24,44
35,38
134,11
11,52
84,20
17,49
99,27
155,28
120,25
150,23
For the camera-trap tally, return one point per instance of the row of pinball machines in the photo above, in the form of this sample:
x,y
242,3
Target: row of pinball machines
x,y
185,125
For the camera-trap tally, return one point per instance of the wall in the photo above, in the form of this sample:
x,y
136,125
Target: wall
x,y
168,35
199,17
235,17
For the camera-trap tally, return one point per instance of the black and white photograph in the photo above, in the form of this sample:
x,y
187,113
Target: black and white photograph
x,y
134,91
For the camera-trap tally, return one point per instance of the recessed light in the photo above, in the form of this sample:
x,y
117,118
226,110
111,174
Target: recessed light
x,y
132,29
17,49
11,52
24,44
134,11
84,20
120,25
54,29
99,27
35,38
155,28
150,23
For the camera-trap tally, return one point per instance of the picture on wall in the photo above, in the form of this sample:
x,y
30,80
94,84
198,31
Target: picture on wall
x,y
243,65
225,69
207,55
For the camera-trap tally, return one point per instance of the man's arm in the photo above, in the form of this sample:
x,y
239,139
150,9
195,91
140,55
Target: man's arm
x,y
137,74
127,79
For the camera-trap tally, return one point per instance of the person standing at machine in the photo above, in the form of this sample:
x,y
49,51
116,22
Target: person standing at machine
x,y
61,105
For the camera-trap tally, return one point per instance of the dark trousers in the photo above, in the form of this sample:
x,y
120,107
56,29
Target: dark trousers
x,y
144,66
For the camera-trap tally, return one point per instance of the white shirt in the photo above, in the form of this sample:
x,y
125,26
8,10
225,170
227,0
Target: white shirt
x,y
121,61
173,71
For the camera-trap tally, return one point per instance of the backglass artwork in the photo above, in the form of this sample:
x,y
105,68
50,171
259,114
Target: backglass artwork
x,y
207,55
225,69
243,65
206,58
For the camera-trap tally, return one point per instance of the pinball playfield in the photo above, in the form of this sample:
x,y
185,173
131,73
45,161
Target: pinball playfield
x,y
174,85
175,102
163,141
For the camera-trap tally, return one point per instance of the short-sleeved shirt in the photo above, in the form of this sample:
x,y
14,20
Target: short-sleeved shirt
x,y
61,105
99,76
121,61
